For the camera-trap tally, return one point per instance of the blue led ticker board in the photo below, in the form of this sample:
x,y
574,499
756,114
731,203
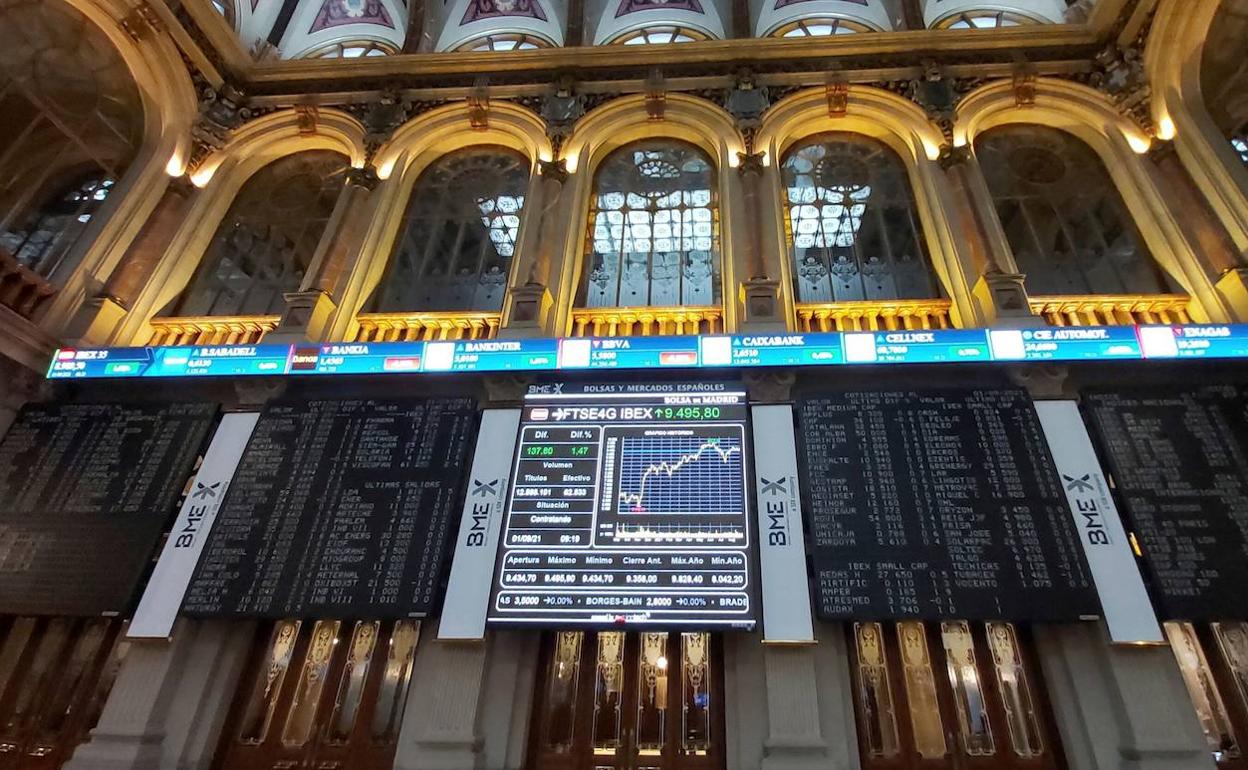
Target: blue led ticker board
x,y
1065,343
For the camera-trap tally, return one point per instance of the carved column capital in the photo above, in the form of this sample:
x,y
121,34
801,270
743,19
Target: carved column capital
x,y
952,156
750,164
363,178
554,170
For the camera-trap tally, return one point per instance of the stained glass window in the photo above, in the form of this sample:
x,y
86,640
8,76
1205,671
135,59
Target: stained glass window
x,y
1069,229
42,242
852,224
653,228
459,234
265,244
1240,143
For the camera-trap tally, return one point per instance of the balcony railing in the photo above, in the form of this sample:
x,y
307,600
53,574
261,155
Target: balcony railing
x,y
874,316
406,327
211,330
22,290
1113,309
646,321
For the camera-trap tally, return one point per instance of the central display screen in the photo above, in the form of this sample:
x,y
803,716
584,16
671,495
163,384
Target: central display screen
x,y
629,506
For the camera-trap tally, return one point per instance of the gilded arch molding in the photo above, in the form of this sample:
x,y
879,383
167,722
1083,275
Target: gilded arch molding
x,y
904,127
412,148
627,119
1121,144
221,176
169,109
1172,59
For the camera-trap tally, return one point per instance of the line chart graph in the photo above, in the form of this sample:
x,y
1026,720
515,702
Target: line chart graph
x,y
680,475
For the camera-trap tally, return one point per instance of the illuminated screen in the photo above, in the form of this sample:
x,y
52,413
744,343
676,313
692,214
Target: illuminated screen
x,y
629,505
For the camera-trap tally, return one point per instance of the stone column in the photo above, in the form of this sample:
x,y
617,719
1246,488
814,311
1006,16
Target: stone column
x,y
526,311
1118,708
999,290
795,738
440,725
96,319
1201,225
169,701
308,311
760,292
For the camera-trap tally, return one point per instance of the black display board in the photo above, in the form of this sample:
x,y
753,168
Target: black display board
x,y
629,508
338,509
85,493
1179,459
937,504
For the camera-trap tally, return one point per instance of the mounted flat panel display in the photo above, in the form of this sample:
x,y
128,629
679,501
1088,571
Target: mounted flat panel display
x,y
85,492
938,346
937,505
629,506
338,509
1179,459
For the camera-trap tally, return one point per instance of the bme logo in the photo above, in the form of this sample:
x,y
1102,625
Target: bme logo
x,y
481,490
777,511
480,512
1081,484
1082,494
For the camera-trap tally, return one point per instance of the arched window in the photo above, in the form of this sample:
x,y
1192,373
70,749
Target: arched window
x,y
265,244
987,19
506,41
459,234
1069,229
42,242
659,34
353,49
71,122
852,226
653,228
819,26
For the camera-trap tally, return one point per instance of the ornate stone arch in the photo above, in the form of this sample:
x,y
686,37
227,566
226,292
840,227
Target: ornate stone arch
x,y
1172,59
221,176
906,129
623,121
400,161
169,108
1121,144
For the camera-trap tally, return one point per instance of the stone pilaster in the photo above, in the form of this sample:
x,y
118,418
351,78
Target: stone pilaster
x,y
795,738
526,311
440,727
1118,708
310,310
761,303
999,293
168,702
1233,286
104,308
1002,298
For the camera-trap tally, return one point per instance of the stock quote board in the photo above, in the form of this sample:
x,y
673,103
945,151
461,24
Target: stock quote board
x,y
339,508
629,506
1180,462
85,492
935,505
